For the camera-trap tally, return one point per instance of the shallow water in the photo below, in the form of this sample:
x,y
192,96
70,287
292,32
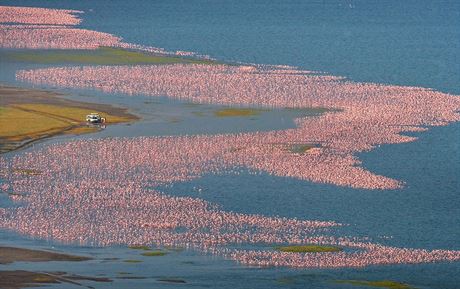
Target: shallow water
x,y
398,42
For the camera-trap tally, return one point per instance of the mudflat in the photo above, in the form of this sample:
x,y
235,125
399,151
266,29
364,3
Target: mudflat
x,y
28,115
12,254
21,279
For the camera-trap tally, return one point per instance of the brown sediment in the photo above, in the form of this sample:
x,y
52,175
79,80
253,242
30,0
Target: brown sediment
x,y
21,279
377,284
29,115
12,254
19,96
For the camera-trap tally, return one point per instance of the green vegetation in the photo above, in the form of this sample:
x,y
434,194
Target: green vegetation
x,y
300,148
11,254
68,113
18,123
140,247
199,113
27,122
27,172
308,249
232,112
132,261
380,284
100,56
154,254
174,249
45,279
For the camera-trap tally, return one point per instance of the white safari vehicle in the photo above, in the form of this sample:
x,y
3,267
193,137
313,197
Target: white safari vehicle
x,y
95,118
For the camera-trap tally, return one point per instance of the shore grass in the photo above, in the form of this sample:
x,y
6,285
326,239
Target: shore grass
x,y
154,254
26,122
234,112
379,284
18,124
308,249
140,247
300,148
27,172
100,56
68,113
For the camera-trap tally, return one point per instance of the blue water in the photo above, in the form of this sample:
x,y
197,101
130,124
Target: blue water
x,y
414,43
411,42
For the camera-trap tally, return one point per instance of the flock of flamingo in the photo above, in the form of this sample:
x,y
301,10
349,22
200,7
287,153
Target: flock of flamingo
x,y
362,115
108,195
42,28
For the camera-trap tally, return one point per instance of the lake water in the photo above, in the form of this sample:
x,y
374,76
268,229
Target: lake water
x,y
414,43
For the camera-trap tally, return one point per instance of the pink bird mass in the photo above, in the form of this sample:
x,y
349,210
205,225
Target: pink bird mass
x,y
70,202
38,28
362,115
41,28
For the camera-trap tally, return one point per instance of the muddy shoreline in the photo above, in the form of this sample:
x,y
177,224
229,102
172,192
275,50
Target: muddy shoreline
x,y
15,99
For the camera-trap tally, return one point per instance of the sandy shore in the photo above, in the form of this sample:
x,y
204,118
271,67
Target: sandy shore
x,y
29,115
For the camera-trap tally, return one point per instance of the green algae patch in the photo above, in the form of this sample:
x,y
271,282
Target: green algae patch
x,y
154,254
100,56
132,261
379,284
237,112
140,247
174,249
27,172
199,113
44,279
308,249
300,148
